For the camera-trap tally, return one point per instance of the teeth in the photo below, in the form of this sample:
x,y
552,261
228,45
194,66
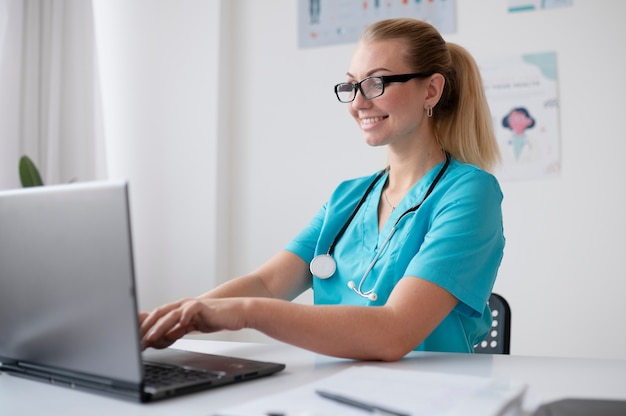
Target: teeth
x,y
371,120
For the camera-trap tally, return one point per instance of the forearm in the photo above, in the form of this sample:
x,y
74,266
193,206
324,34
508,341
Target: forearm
x,y
284,276
412,312
356,332
386,333
244,286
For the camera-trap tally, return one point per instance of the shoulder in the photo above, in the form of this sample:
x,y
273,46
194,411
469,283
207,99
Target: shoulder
x,y
356,186
466,178
360,181
459,169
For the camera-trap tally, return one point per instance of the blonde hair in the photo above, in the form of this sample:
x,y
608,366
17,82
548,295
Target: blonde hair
x,y
462,120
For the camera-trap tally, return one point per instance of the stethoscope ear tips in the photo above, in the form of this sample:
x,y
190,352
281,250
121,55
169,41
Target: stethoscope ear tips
x,y
371,296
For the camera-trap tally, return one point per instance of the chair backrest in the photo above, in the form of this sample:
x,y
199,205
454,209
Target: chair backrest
x,y
498,340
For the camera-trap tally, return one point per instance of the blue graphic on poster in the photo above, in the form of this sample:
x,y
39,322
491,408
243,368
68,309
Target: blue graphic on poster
x,y
330,22
530,5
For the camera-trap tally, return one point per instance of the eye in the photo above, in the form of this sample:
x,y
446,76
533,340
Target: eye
x,y
344,87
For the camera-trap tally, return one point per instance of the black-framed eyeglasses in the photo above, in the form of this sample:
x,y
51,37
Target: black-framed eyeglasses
x,y
371,87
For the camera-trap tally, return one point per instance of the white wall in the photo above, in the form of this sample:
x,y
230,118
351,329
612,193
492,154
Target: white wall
x,y
284,143
160,87
562,271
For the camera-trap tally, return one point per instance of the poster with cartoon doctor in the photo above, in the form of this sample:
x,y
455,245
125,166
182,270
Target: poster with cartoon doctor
x,y
523,98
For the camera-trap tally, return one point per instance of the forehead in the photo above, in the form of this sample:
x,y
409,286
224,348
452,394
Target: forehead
x,y
379,57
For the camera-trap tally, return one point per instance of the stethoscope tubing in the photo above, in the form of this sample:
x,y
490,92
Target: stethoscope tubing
x,y
369,189
325,263
331,249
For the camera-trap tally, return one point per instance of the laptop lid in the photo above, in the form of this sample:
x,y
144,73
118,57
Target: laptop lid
x,y
68,309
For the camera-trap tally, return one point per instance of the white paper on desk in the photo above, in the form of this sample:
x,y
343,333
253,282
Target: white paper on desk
x,y
414,392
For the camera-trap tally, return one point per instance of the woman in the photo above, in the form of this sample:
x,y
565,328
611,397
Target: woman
x,y
401,260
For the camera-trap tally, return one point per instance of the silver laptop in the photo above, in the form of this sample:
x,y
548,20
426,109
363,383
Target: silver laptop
x,y
68,308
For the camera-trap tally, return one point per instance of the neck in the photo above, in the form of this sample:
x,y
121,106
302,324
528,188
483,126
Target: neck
x,y
404,172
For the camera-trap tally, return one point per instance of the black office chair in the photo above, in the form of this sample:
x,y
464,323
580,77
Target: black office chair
x,y
498,340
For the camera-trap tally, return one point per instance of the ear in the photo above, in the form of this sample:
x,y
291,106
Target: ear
x,y
434,89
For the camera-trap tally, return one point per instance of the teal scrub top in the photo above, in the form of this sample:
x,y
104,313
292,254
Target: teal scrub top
x,y
455,240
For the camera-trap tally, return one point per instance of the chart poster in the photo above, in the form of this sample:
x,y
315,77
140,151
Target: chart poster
x,y
530,5
331,22
523,98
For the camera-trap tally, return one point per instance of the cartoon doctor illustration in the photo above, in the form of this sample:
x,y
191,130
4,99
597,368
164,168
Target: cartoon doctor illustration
x,y
518,120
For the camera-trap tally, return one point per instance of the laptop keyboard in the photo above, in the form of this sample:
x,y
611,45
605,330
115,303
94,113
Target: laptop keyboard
x,y
158,375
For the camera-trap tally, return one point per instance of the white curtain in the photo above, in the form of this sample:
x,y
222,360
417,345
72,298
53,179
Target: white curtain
x,y
49,108
10,55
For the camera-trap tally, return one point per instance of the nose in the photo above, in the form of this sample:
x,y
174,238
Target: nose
x,y
360,101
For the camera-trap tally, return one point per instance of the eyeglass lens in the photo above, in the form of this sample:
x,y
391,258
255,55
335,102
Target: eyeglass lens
x,y
370,88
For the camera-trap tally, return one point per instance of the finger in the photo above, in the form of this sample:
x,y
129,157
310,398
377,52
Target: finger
x,y
164,341
171,326
153,317
162,326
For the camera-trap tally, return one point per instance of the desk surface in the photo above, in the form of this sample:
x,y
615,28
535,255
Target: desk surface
x,y
547,378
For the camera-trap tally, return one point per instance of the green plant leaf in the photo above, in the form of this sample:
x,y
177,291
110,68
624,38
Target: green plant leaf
x,y
29,175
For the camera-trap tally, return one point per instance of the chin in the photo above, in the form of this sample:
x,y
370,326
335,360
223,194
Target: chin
x,y
374,142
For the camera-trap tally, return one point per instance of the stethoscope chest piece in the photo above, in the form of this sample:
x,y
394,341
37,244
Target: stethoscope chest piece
x,y
323,266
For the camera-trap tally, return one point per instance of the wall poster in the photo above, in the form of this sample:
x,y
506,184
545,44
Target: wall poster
x,y
331,22
523,98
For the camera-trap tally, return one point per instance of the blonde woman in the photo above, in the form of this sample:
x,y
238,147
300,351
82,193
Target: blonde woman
x,y
402,260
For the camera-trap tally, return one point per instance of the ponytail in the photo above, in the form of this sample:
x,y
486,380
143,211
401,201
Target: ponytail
x,y
464,126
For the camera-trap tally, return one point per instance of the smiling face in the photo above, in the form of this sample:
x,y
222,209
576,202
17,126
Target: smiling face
x,y
518,122
397,115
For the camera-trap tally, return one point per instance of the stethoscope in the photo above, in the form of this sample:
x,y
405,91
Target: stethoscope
x,y
324,266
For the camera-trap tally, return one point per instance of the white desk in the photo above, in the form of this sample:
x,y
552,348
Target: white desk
x,y
548,379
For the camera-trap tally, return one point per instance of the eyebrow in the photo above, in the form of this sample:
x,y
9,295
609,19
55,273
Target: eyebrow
x,y
369,73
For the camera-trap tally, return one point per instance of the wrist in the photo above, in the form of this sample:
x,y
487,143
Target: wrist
x,y
249,311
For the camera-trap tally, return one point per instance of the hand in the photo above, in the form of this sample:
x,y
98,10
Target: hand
x,y
167,323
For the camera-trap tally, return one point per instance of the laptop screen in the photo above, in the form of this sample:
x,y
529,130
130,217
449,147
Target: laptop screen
x,y
67,295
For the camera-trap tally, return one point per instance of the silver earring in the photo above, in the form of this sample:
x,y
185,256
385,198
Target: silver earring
x,y
429,111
